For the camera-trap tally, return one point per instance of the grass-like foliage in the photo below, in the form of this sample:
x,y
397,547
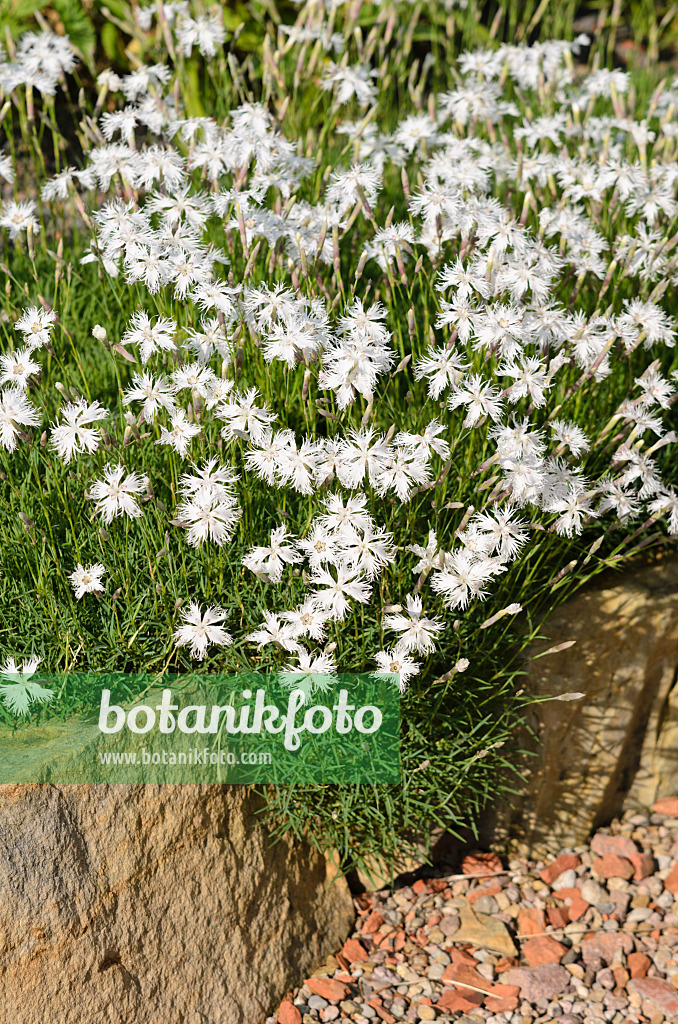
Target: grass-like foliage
x,y
355,354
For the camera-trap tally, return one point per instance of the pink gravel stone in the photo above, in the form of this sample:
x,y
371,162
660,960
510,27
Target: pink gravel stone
x,y
612,866
671,881
668,805
605,946
288,1013
660,992
565,862
545,981
543,949
622,846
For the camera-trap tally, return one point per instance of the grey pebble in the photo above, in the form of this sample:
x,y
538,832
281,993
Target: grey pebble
x,y
317,1002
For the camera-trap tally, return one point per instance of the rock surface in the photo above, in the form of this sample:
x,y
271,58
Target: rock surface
x,y
615,749
123,904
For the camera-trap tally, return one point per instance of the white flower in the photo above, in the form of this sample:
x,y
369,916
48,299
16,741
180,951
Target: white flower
x,y
530,380
656,389
15,412
266,453
425,443
210,339
244,418
271,559
347,82
18,693
150,337
315,672
406,469
308,619
667,504
75,435
505,534
366,551
624,503
299,466
210,513
335,595
429,556
6,169
155,393
573,508
346,187
464,577
273,631
418,632
18,217
396,663
87,580
479,396
364,451
207,31
570,435
17,367
57,187
181,433
115,496
195,377
218,479
36,325
353,365
200,630
342,513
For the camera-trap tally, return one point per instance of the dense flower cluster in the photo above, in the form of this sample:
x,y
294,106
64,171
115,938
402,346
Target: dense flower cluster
x,y
509,215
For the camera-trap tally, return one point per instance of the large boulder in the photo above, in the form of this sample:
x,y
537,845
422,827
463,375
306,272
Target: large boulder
x,y
124,903
615,748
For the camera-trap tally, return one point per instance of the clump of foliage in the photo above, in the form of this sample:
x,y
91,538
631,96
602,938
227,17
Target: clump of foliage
x,y
352,353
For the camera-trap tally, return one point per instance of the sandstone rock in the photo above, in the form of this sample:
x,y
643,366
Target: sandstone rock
x,y
558,917
485,903
594,893
615,748
382,1012
449,925
152,903
576,903
483,931
621,977
466,976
